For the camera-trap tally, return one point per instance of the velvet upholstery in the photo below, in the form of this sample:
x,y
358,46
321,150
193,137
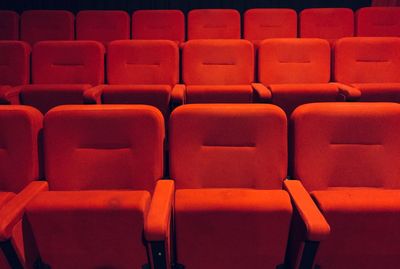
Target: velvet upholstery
x,y
213,24
159,24
102,25
378,21
328,23
9,25
39,25
262,23
347,156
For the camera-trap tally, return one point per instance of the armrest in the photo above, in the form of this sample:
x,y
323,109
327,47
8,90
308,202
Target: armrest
x,y
157,227
350,93
263,93
9,95
12,212
316,225
93,95
178,95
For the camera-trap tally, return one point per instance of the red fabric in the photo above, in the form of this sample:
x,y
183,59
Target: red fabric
x,y
231,228
12,212
325,23
364,224
219,94
371,64
143,62
367,60
378,21
373,92
46,96
291,60
262,23
158,24
9,25
347,145
68,62
317,229
101,147
89,229
102,25
155,95
5,197
38,25
225,62
14,62
237,145
290,96
19,129
213,24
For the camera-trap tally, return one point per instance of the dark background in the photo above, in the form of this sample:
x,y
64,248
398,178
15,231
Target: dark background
x,y
184,5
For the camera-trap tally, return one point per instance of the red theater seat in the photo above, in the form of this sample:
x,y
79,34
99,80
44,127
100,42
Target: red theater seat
x,y
378,21
9,25
347,156
19,168
159,24
38,25
297,71
61,72
139,72
370,65
213,24
262,23
102,25
328,23
102,164
14,69
217,71
228,162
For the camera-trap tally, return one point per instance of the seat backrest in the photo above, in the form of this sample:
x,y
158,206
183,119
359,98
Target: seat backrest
x,y
262,23
143,62
347,145
327,23
103,147
213,24
38,25
19,132
158,24
9,25
14,63
378,21
367,60
68,62
102,25
228,146
294,60
224,62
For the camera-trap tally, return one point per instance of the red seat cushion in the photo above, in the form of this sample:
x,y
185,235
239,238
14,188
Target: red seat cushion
x,y
364,227
219,94
89,229
290,96
231,228
154,95
378,21
379,92
46,96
